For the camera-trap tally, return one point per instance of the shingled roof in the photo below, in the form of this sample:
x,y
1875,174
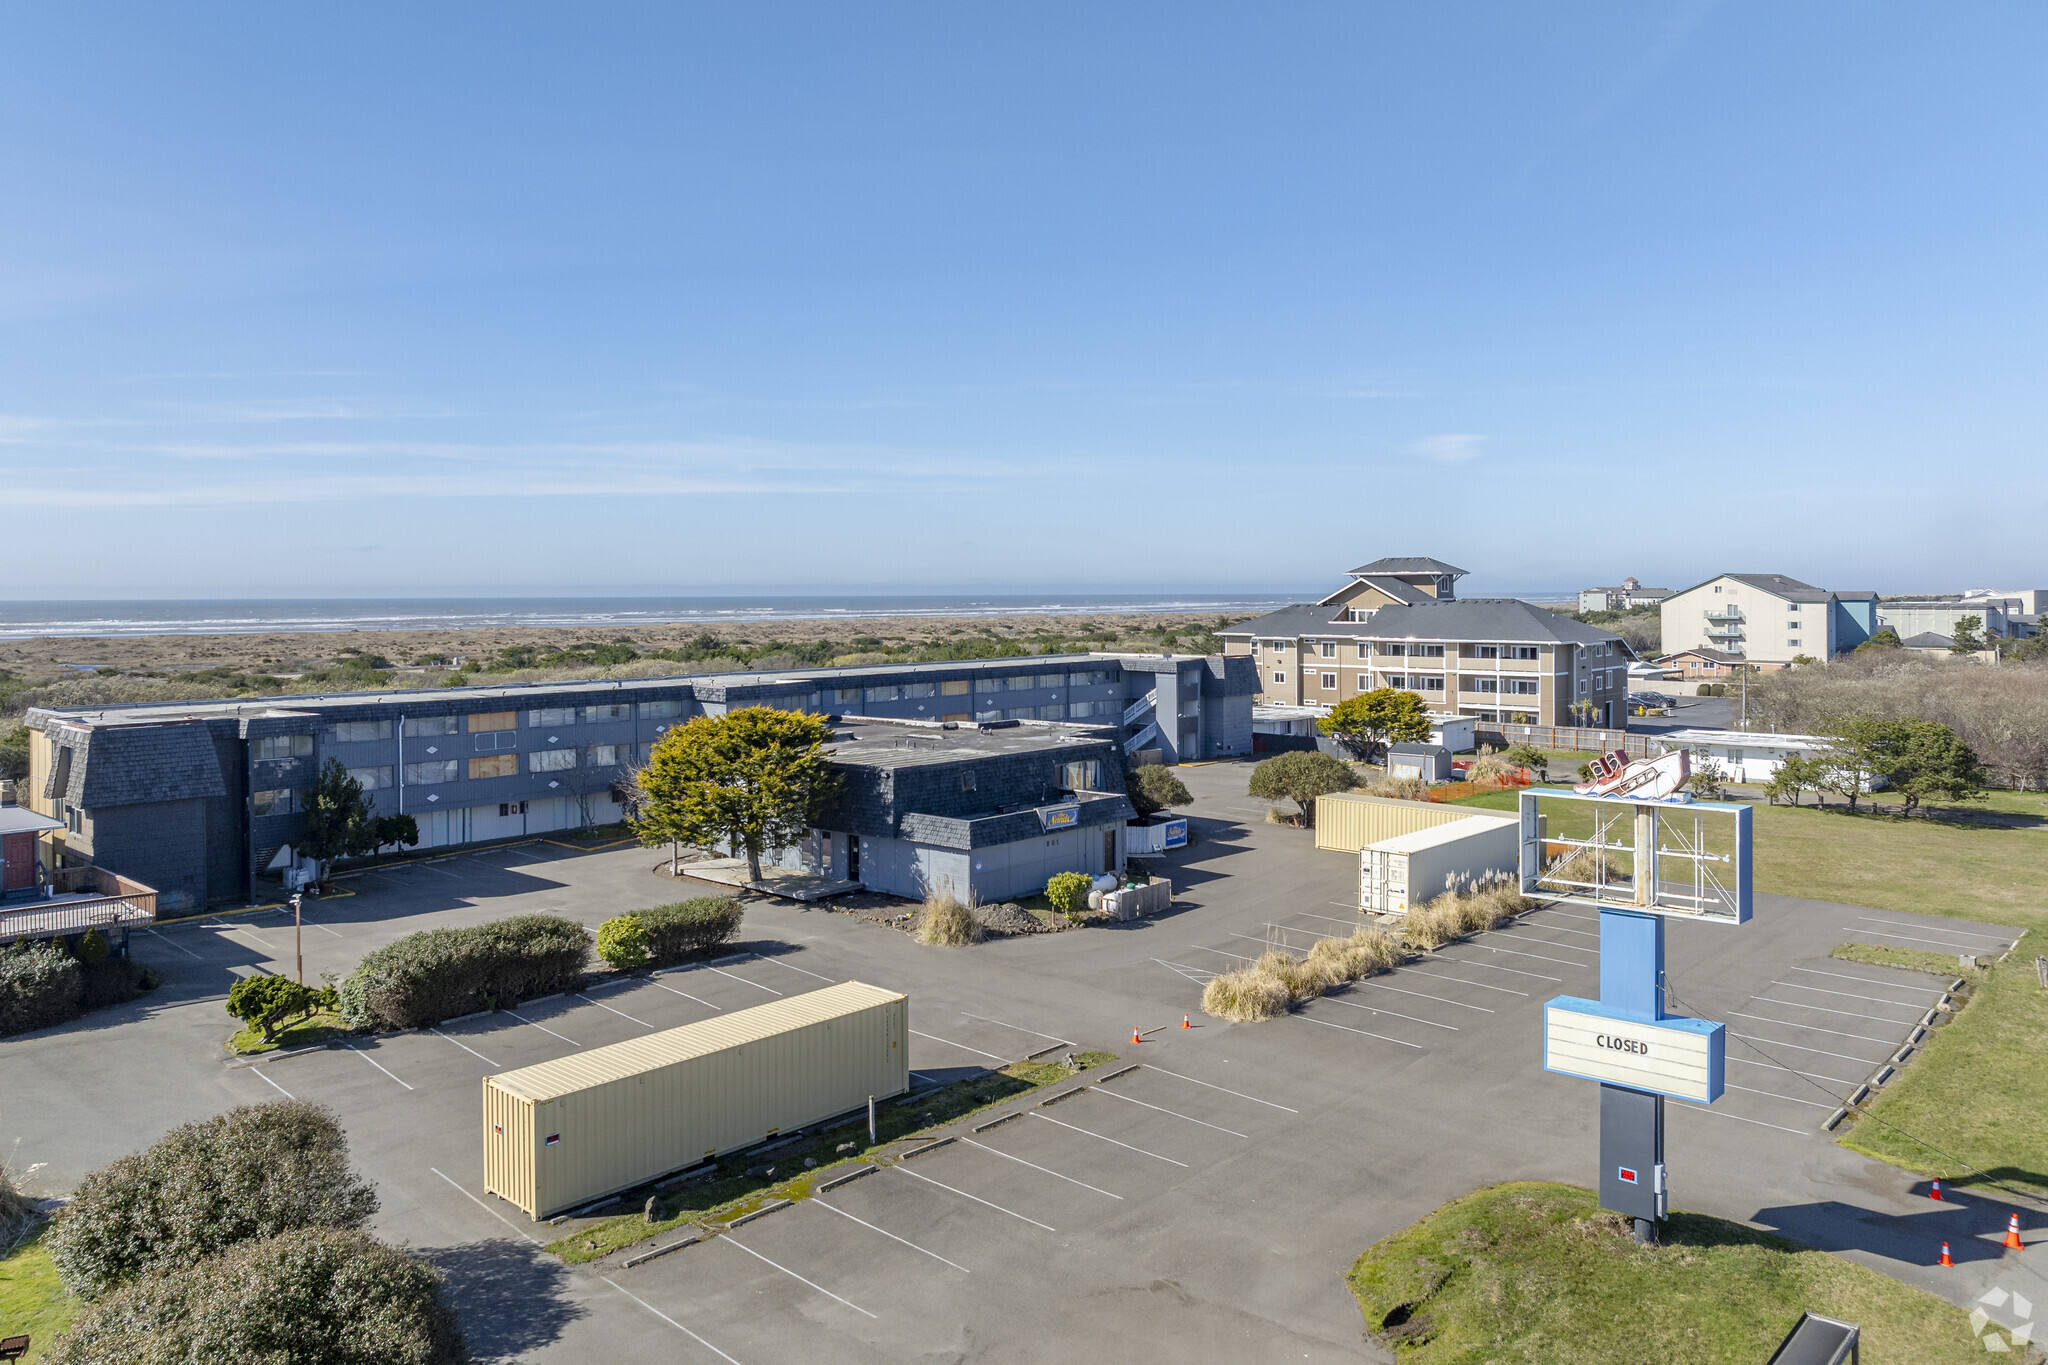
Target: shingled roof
x,y
126,765
1416,564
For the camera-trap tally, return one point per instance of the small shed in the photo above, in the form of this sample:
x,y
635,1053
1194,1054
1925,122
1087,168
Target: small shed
x,y
1427,762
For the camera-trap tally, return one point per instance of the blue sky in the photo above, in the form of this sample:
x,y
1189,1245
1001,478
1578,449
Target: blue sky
x,y
426,300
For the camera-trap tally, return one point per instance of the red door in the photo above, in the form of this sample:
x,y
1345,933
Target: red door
x,y
20,851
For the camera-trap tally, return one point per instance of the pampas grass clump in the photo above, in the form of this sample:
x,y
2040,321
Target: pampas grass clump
x,y
1245,996
945,922
1465,909
1279,980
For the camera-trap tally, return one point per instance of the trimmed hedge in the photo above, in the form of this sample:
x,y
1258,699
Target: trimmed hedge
x,y
681,931
439,974
314,1294
252,1172
40,985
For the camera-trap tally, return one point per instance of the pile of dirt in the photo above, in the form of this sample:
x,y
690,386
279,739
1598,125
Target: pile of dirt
x,y
1008,917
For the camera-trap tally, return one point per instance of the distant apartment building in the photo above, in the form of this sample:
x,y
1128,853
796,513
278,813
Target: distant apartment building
x,y
2000,615
1626,596
196,798
1765,621
1398,623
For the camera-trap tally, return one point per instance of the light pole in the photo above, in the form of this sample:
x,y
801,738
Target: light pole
x,y
299,937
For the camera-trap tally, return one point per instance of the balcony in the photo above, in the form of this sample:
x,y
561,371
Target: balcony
x,y
81,898
1733,632
1724,614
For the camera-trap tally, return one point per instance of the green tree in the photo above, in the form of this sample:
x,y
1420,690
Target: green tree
x,y
1862,751
1372,720
1934,763
1153,787
14,753
338,819
1529,756
753,780
1709,781
1967,638
264,1002
1886,638
1301,777
1795,775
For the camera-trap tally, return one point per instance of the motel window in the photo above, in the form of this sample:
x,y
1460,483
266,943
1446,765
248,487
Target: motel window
x,y
1329,680
361,731
1021,713
956,688
550,717
985,685
372,779
1329,649
497,765
1429,684
1521,651
1021,682
988,715
1279,677
1081,710
1523,687
1082,776
845,696
1484,652
1482,684
610,755
551,760
428,773
1052,680
284,746
887,693
660,710
1392,651
1396,680
421,727
489,722
497,740
282,801
911,691
1426,651
1056,711
1365,682
593,715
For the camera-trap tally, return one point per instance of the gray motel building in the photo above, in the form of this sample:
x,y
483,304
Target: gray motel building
x,y
977,773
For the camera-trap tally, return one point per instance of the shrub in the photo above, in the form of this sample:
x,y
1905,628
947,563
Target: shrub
x,y
680,931
1464,910
117,981
622,942
439,974
252,1172
40,985
338,1297
92,947
944,922
266,1001
1301,777
1244,996
1068,891
1399,788
1153,787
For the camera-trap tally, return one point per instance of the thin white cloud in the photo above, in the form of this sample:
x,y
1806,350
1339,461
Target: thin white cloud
x,y
1452,447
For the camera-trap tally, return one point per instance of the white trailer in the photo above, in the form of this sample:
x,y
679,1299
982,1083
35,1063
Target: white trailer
x,y
1395,875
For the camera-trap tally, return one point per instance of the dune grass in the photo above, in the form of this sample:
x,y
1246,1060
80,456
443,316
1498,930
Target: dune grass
x,y
1537,1274
1279,980
945,921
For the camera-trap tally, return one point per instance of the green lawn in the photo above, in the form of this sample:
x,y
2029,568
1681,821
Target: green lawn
x,y
315,1028
31,1298
1977,1089
1537,1273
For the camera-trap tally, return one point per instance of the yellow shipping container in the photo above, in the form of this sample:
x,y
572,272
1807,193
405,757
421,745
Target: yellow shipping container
x,y
563,1133
1348,821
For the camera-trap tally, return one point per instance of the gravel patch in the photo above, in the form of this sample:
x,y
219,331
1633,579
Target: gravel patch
x,y
1008,917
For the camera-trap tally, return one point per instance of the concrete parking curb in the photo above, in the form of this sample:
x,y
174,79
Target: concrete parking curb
x,y
1858,1097
997,1123
1928,1022
836,1181
930,1147
1045,1051
1834,1119
761,1212
644,1257
1114,1074
1063,1095
1884,1076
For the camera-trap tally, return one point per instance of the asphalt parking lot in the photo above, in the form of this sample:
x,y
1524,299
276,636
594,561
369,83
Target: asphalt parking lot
x,y
1201,1208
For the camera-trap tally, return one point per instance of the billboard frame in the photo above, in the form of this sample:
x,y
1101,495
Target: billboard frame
x,y
1713,897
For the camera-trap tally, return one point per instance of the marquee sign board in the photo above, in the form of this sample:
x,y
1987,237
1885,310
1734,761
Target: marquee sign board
x,y
1682,1058
1657,856
1060,817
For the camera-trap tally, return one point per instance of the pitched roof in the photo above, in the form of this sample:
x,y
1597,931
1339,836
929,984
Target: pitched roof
x,y
1398,589
1396,564
1303,618
1777,584
1927,639
127,764
1506,620
1719,656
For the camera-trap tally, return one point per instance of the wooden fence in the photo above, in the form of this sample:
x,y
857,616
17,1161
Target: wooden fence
x,y
1567,738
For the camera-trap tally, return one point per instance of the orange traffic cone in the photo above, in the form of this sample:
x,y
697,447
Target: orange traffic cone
x,y
1134,1035
2012,1233
1186,1022
1936,1193
1944,1255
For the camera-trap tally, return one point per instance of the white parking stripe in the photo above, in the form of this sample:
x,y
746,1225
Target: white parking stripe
x,y
1021,1029
1424,995
1772,1094
1851,995
1113,1142
542,1027
1553,910
667,1319
807,972
1823,1009
1560,961
1910,938
464,1046
1415,971
1559,928
1235,957
1546,942
1036,1167
757,986
486,1207
374,1062
685,994
1773,1066
728,1237
442,871
1493,966
1356,922
1392,1014
905,1170
890,1235
1192,1081
1815,1028
962,1046
1707,1109
1801,1047
1204,1122
621,1013
2000,939
175,944
1310,1018
272,1084
1888,985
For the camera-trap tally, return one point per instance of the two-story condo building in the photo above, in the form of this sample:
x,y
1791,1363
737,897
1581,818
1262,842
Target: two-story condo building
x,y
1398,623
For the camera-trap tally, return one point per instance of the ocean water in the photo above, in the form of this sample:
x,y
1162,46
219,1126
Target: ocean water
x,y
210,616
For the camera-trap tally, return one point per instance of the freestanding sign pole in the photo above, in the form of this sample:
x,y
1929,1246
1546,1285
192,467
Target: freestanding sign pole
x,y
1631,1120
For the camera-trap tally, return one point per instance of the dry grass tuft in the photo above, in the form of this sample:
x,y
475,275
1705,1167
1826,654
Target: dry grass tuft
x,y
1399,788
1245,996
1279,980
1465,910
944,921
20,1214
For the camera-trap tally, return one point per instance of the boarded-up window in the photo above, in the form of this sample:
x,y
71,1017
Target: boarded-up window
x,y
493,720
955,688
497,765
551,761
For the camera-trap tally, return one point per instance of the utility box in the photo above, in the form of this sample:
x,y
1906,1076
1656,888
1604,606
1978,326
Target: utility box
x,y
1396,875
1156,835
563,1133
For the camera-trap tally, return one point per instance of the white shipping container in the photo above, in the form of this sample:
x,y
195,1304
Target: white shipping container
x,y
1395,875
563,1133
